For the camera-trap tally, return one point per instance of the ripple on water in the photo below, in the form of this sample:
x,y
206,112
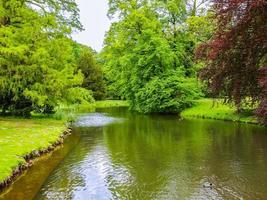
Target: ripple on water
x,y
96,120
154,157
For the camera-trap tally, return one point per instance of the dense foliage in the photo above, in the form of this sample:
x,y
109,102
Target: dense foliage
x,y
37,65
169,93
149,54
92,71
236,54
262,109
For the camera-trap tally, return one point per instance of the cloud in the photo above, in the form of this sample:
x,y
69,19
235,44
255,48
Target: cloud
x,y
94,18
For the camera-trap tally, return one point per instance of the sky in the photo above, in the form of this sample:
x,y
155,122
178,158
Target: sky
x,y
93,15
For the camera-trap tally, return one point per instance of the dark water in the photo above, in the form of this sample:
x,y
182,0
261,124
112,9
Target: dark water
x,y
123,155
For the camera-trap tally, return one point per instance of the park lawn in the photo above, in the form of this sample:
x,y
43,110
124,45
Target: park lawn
x,y
111,103
205,108
20,137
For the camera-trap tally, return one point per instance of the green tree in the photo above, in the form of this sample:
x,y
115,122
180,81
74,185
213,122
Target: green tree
x,y
138,53
92,71
36,63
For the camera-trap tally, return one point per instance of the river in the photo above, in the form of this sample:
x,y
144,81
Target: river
x,y
117,154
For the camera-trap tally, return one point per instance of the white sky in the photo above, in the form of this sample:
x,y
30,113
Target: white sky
x,y
94,19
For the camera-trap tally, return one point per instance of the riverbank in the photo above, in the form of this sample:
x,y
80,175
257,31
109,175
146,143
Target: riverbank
x,y
210,109
69,112
22,140
111,103
203,108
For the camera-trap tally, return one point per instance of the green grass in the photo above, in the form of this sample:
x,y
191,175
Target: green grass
x,y
111,103
205,108
20,137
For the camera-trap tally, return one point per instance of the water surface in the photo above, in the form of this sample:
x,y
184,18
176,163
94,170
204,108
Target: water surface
x,y
124,155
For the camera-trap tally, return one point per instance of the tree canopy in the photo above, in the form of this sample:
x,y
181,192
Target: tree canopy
x,y
37,62
235,57
154,67
148,56
92,70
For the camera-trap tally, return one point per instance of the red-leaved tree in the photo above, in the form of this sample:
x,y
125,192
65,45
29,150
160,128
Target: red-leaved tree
x,y
237,52
262,110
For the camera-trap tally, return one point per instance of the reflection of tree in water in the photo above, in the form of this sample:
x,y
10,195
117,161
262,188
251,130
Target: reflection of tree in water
x,y
155,151
160,157
168,158
68,177
236,160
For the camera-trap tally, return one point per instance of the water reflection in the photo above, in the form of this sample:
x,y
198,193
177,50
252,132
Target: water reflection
x,y
159,157
96,120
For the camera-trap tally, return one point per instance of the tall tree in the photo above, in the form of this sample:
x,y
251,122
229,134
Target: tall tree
x,y
92,71
66,11
262,109
197,7
142,63
36,62
234,56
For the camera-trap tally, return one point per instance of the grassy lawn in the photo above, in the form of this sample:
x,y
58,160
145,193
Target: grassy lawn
x,y
111,103
204,108
19,137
